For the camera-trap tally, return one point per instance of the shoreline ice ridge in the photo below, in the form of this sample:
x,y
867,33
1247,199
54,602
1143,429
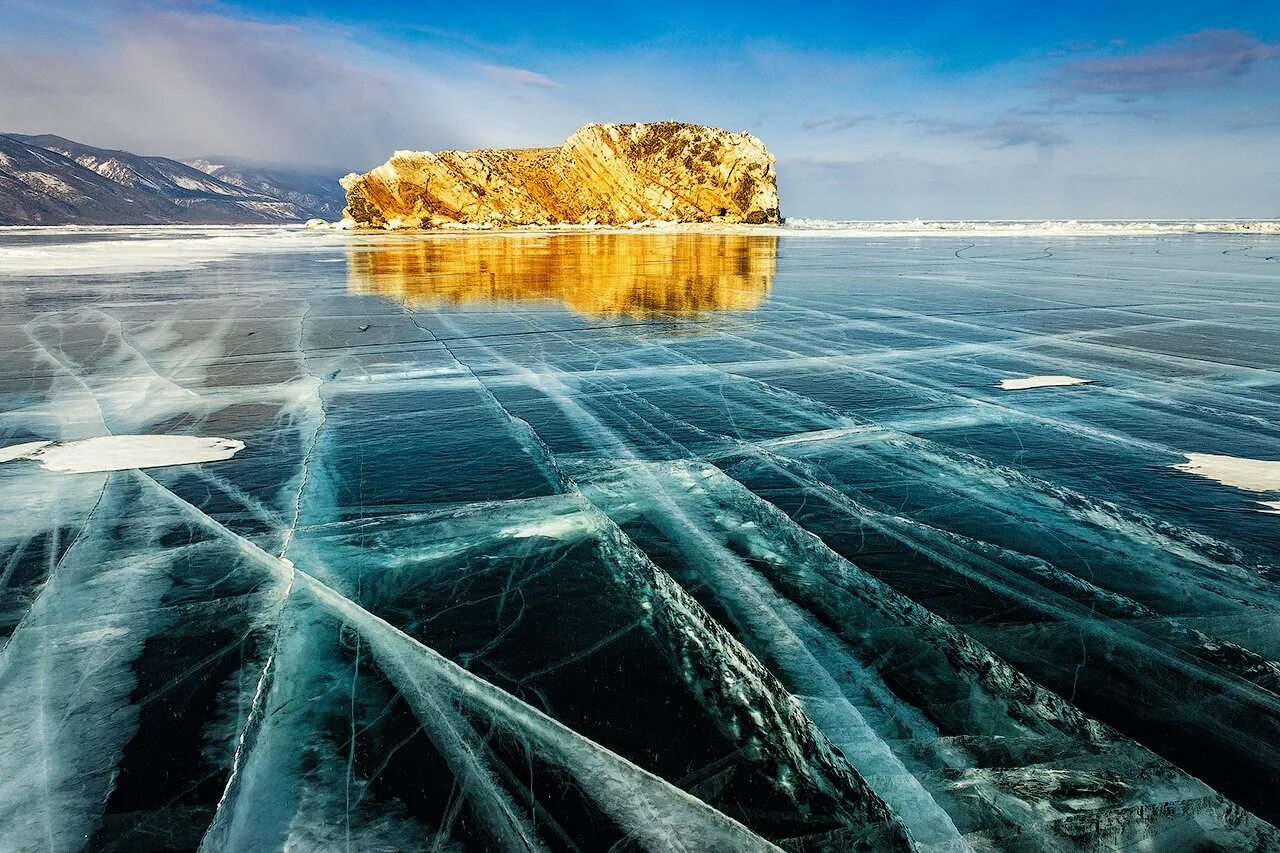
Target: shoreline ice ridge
x,y
1017,227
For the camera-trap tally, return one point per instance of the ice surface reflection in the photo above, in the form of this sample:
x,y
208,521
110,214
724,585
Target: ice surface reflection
x,y
599,275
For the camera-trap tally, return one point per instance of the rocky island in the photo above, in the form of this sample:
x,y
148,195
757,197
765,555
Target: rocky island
x,y
604,174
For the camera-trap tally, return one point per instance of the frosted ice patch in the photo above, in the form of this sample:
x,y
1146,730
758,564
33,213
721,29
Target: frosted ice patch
x,y
822,435
1041,382
565,527
122,452
1252,475
157,248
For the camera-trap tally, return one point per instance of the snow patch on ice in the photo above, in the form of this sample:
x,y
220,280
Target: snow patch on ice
x,y
122,452
1252,475
156,248
1041,382
21,451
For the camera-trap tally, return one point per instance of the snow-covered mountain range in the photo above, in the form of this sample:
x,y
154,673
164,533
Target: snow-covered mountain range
x,y
316,193
49,180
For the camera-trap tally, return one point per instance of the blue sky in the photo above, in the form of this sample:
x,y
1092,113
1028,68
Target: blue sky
x,y
874,110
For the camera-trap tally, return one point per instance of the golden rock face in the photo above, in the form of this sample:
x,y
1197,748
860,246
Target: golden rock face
x,y
600,275
606,174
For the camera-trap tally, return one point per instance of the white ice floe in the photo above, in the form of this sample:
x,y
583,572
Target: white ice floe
x,y
1041,382
1252,475
122,452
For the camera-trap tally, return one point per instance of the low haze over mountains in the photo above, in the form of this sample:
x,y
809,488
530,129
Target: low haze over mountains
x,y
49,180
315,193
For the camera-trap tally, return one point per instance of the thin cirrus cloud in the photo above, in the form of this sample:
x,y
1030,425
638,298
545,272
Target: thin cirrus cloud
x,y
1007,131
838,122
518,76
1012,133
1206,58
1002,132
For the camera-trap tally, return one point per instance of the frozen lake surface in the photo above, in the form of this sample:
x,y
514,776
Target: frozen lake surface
x,y
646,541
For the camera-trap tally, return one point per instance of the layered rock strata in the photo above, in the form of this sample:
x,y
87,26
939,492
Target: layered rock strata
x,y
604,174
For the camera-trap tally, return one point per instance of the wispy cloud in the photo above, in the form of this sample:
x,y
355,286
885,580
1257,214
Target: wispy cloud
x,y
844,121
518,76
1058,110
1255,123
1206,58
1012,133
1006,131
181,80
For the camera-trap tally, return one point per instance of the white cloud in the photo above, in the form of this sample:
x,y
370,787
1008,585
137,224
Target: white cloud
x,y
160,81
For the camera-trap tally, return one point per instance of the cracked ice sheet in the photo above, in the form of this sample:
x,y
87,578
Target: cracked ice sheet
x,y
521,523
484,585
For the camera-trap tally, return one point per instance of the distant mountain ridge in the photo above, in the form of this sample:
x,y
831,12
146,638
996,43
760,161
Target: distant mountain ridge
x,y
50,180
316,193
40,187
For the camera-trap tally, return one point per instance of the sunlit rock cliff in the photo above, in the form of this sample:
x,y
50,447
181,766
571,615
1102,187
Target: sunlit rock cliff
x,y
605,174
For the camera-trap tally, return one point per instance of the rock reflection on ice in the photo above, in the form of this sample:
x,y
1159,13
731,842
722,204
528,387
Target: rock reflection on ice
x,y
600,275
123,452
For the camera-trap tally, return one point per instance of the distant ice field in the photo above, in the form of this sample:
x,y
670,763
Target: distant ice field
x,y
886,536
75,249
1032,228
